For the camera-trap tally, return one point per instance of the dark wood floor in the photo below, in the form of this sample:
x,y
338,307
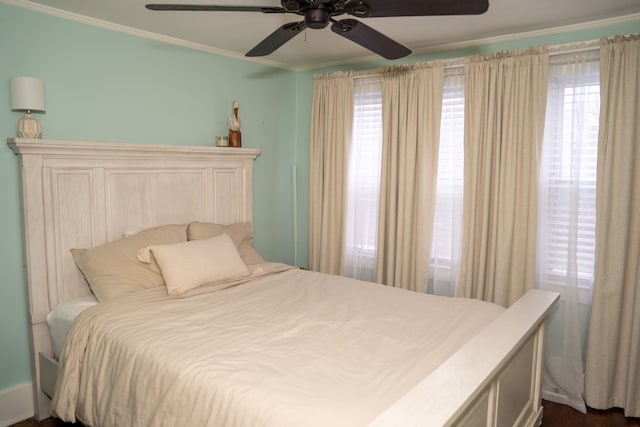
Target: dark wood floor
x,y
46,423
554,416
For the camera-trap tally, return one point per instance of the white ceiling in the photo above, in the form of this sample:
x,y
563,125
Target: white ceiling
x,y
234,33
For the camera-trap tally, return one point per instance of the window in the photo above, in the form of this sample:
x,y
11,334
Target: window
x,y
445,246
364,180
566,218
566,233
568,174
364,184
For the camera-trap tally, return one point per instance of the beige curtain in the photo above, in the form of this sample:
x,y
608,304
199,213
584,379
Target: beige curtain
x,y
331,120
505,103
411,109
613,353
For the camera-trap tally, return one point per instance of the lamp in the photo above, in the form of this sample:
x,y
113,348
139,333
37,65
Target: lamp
x,y
27,94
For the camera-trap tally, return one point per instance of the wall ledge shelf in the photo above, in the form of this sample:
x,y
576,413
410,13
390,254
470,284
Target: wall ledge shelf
x,y
54,147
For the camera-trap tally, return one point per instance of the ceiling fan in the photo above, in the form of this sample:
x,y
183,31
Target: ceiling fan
x,y
318,13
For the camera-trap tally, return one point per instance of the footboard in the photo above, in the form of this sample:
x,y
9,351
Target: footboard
x,y
494,380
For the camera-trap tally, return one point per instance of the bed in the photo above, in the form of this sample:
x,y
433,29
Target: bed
x,y
84,194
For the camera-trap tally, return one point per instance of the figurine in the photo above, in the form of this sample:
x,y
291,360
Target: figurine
x,y
235,137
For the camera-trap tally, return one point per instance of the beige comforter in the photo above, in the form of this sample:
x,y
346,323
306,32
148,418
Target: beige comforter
x,y
292,348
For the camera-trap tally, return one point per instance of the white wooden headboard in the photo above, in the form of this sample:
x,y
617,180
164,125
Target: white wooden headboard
x,y
81,194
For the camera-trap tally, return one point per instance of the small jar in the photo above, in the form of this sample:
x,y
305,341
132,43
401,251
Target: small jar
x,y
222,141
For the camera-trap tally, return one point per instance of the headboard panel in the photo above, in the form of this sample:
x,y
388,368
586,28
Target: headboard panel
x,y
82,194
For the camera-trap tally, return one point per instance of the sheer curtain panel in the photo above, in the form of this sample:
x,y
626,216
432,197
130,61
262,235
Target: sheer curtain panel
x,y
566,219
363,193
447,224
331,121
411,111
613,355
505,97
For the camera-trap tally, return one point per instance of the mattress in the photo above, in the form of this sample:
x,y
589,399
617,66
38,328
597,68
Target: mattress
x,y
62,316
293,348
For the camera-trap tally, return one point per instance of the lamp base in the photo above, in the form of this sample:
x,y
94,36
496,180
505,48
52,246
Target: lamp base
x,y
29,127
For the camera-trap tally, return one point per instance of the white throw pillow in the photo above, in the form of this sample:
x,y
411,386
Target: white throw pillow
x,y
188,265
241,234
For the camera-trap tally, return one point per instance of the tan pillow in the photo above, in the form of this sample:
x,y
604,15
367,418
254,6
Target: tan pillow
x,y
240,233
112,269
195,263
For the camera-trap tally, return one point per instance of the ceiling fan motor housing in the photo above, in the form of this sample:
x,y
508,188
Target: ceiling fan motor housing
x,y
316,17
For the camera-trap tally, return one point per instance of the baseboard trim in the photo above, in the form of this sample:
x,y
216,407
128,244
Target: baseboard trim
x,y
16,404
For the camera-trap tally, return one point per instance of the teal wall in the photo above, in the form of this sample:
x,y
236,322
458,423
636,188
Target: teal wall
x,y
107,86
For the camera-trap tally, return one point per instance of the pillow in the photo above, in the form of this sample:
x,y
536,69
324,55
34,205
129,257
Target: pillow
x,y
240,233
112,269
195,263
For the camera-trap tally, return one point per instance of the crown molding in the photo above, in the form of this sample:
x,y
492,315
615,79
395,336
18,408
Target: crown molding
x,y
364,59
25,4
589,25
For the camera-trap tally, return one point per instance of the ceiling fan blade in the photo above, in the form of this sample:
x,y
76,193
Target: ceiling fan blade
x,y
213,8
369,38
382,8
277,39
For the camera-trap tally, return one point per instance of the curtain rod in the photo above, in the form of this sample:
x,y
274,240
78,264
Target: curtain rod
x,y
560,49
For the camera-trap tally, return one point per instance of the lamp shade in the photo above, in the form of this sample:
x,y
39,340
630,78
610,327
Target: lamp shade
x,y
27,94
